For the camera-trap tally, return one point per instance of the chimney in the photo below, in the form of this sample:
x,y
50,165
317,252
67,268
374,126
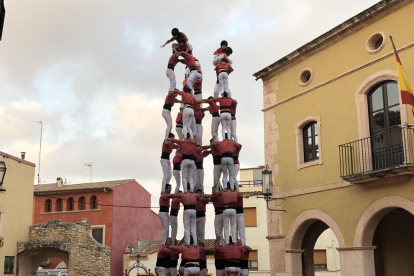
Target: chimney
x,y
23,154
59,181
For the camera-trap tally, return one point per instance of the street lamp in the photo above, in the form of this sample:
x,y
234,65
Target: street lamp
x,y
3,170
267,188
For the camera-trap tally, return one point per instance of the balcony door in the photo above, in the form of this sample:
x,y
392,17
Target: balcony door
x,y
384,115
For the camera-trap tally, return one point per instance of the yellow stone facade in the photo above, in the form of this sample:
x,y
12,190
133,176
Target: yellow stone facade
x,y
343,71
16,206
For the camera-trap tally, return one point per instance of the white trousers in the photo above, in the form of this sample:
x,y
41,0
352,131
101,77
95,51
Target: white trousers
x,y
215,60
162,271
200,179
198,97
179,131
193,126
173,271
240,228
171,76
177,176
165,220
189,219
218,227
188,117
227,165
217,89
166,170
233,130
229,217
201,228
232,271
191,271
236,172
203,272
166,114
220,272
187,170
174,228
194,74
224,83
244,272
215,126
181,270
217,173
199,128
225,119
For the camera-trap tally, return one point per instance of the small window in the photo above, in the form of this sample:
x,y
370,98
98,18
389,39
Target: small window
x,y
305,77
8,265
48,206
93,203
250,219
59,205
253,260
310,142
376,43
82,203
97,234
257,177
70,204
319,260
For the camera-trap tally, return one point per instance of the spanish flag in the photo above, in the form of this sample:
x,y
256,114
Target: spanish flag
x,y
407,96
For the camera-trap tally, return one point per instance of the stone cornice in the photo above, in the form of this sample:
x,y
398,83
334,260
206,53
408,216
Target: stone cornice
x,y
386,56
278,237
344,30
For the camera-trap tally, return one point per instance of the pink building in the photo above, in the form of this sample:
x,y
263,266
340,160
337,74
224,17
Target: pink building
x,y
113,226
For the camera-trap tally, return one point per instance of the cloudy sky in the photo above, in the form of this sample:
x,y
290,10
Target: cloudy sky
x,y
94,73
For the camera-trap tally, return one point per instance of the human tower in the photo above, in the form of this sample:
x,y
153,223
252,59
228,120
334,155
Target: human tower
x,y
231,254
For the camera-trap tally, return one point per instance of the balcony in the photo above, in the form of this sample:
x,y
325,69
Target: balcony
x,y
383,155
250,186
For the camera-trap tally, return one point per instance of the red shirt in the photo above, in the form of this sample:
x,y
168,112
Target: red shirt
x,y
217,201
176,38
172,62
239,202
203,255
189,252
188,147
226,146
200,157
215,149
213,107
245,256
163,252
170,99
164,200
179,119
198,84
189,198
229,197
180,49
222,67
219,51
201,206
187,98
236,154
178,158
224,102
189,60
233,108
199,115
168,147
175,256
231,252
175,203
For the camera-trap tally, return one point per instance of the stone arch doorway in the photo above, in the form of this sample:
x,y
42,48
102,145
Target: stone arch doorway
x,y
301,240
387,226
30,260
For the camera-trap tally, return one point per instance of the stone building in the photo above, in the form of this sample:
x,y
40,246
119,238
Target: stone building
x,y
341,155
112,226
16,205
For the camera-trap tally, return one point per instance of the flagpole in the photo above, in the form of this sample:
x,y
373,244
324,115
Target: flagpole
x,y
393,45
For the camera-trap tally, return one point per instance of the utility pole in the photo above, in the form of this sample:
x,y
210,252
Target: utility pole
x,y
40,149
89,165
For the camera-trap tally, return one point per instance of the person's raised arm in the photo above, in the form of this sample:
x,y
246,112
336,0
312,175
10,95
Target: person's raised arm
x,y
168,41
217,243
248,248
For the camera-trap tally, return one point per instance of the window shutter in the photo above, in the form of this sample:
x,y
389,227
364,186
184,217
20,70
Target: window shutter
x,y
9,262
97,234
250,217
253,256
319,257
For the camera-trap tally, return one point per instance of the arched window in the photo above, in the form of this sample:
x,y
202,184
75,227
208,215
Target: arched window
x,y
310,142
70,205
59,205
48,206
82,203
93,203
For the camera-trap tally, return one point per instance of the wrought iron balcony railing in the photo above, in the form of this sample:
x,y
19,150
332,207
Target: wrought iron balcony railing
x,y
376,156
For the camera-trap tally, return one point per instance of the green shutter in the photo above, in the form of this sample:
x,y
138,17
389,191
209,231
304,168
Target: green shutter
x,y
9,262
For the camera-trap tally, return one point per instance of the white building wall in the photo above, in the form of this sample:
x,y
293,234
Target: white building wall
x,y
327,241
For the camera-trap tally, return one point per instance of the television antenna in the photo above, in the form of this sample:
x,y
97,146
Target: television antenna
x,y
89,165
40,149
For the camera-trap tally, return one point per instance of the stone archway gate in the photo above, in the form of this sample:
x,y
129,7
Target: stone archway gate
x,y
71,242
